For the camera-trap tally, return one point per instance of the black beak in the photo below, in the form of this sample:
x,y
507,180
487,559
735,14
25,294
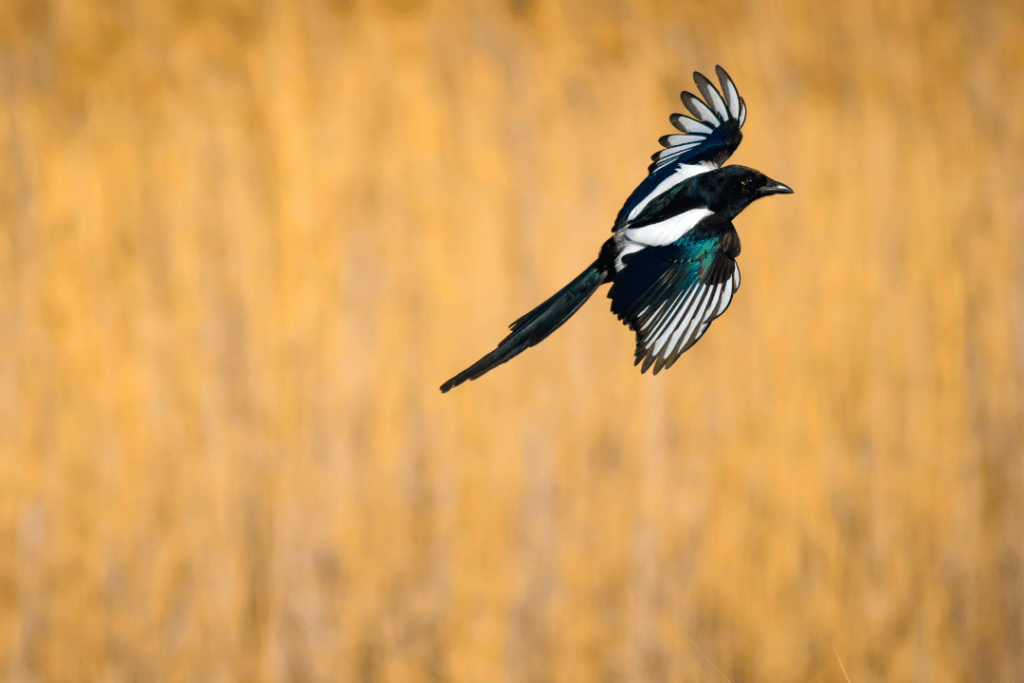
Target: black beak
x,y
776,188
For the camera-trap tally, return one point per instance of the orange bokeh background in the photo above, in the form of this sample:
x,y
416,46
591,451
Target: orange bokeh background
x,y
243,243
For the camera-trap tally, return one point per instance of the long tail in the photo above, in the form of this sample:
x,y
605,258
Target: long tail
x,y
536,325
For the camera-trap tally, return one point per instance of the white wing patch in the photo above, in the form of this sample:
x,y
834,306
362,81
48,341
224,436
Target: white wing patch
x,y
667,231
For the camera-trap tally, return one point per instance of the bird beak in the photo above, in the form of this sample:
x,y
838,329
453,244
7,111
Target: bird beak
x,y
776,188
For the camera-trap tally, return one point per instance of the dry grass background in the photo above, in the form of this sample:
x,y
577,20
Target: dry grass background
x,y
242,243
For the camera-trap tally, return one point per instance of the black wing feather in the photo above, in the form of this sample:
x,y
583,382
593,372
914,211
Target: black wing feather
x,y
670,295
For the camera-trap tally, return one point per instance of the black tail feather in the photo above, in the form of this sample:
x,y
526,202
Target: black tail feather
x,y
536,325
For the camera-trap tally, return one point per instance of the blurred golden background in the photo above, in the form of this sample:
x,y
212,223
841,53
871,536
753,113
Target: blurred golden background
x,y
243,243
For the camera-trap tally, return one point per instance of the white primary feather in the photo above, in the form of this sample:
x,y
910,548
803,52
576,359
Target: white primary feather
x,y
732,96
664,331
711,96
699,313
713,304
688,316
697,106
666,156
700,333
696,317
667,339
666,318
655,314
669,313
688,125
726,298
676,140
716,101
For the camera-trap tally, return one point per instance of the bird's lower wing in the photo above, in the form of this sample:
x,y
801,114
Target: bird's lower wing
x,y
669,296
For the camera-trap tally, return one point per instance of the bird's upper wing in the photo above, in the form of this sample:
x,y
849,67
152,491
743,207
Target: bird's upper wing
x,y
670,294
709,137
715,132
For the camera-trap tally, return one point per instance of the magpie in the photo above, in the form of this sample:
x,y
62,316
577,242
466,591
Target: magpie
x,y
671,260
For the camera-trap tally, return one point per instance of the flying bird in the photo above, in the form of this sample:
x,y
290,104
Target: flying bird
x,y
671,260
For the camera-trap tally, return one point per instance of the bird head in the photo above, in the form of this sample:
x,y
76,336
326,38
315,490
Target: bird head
x,y
733,188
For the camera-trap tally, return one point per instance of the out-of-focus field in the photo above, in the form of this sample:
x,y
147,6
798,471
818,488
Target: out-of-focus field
x,y
242,244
